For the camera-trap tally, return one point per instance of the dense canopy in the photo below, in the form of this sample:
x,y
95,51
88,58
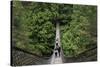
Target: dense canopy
x,y
33,27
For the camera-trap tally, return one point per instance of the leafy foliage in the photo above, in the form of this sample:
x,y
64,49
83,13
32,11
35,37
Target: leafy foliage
x,y
33,27
76,36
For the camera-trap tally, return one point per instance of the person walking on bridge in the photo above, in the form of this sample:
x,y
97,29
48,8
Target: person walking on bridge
x,y
58,48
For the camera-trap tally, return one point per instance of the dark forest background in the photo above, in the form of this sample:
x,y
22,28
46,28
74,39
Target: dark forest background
x,y
34,30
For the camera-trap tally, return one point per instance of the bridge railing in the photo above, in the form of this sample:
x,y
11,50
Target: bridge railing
x,y
21,57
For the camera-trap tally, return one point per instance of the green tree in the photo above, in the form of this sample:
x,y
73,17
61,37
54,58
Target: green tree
x,y
76,36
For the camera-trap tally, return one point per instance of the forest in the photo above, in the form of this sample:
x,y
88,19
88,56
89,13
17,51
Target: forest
x,y
34,27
